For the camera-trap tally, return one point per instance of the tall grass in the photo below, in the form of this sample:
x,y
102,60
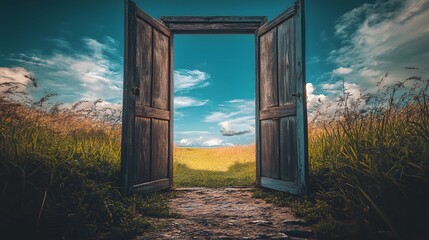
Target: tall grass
x,y
59,173
369,166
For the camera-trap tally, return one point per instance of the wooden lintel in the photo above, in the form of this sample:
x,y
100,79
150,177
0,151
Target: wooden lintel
x,y
214,24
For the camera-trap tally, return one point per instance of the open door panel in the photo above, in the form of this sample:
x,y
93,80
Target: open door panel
x,y
146,161
281,103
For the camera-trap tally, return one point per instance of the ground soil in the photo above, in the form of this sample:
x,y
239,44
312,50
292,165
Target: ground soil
x,y
227,213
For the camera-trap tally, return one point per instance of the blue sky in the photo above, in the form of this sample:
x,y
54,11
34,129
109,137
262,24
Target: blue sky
x,y
75,48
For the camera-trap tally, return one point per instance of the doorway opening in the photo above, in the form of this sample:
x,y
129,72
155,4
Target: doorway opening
x,y
214,110
280,108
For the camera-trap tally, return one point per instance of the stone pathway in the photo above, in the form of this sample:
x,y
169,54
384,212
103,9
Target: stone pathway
x,y
228,213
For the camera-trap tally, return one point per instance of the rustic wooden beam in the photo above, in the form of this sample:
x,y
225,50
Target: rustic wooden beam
x,y
149,112
214,24
278,112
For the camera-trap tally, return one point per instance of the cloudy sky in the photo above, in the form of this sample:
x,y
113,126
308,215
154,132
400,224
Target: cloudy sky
x,y
75,49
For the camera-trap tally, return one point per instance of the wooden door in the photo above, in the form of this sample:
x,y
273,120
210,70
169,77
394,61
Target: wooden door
x,y
281,103
147,141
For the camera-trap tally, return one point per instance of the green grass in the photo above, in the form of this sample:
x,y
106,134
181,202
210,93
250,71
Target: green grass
x,y
369,169
59,178
214,167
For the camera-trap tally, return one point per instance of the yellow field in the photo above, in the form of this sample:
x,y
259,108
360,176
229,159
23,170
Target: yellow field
x,y
214,167
214,159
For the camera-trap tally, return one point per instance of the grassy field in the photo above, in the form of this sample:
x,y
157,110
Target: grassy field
x,y
369,171
59,177
214,167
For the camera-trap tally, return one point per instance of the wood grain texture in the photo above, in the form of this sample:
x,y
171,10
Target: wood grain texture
x,y
171,108
282,122
213,24
276,21
268,69
257,108
153,22
278,112
302,139
128,98
142,143
286,60
288,153
279,185
144,62
269,149
161,75
160,146
147,137
149,112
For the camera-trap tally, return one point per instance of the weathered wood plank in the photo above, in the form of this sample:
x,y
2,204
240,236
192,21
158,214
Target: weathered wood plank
x,y
302,140
212,19
144,62
279,185
278,112
269,149
268,69
149,112
146,142
288,154
128,98
142,143
160,77
160,146
286,60
276,21
171,108
153,22
152,186
257,109
214,24
280,88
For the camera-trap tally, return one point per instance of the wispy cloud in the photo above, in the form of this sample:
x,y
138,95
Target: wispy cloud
x,y
313,60
182,102
385,36
235,117
185,79
201,139
14,80
89,73
343,70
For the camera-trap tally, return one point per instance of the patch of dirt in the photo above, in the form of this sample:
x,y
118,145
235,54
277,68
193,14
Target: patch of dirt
x,y
228,213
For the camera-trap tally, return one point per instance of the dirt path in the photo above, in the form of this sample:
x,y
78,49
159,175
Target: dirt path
x,y
228,213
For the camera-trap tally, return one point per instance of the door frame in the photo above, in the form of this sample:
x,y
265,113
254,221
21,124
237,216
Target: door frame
x,y
228,25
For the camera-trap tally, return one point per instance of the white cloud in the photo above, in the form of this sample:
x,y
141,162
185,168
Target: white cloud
x,y
213,142
182,102
92,73
185,142
313,99
14,80
226,128
343,71
235,117
185,79
386,36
